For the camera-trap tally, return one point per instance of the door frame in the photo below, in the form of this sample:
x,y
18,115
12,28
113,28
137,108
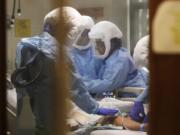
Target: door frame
x,y
2,68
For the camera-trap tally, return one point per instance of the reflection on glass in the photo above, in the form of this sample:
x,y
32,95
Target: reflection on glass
x,y
107,76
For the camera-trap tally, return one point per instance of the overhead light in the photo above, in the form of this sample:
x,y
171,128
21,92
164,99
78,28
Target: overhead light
x,y
19,12
19,8
13,11
12,24
13,18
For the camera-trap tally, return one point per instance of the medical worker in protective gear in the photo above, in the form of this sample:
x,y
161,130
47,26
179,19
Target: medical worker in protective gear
x,y
81,52
141,60
141,53
80,26
40,93
137,112
117,69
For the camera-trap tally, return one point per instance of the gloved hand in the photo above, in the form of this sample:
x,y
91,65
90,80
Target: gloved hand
x,y
145,119
137,112
106,111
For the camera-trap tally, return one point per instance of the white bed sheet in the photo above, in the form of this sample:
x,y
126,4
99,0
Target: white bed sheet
x,y
12,98
117,132
123,106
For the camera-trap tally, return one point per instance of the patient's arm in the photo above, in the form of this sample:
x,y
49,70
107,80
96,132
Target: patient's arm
x,y
126,122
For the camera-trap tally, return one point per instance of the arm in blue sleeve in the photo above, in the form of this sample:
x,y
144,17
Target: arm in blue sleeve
x,y
18,55
143,97
114,76
81,97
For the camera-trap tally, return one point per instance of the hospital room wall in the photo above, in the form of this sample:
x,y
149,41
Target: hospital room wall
x,y
35,10
120,18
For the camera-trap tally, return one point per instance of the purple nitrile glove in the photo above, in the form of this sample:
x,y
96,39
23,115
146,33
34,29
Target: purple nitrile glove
x,y
137,112
145,119
106,111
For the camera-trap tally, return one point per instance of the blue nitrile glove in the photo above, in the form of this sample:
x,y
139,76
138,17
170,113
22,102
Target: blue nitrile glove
x,y
145,119
106,111
137,112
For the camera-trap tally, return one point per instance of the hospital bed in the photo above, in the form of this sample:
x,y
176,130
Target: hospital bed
x,y
131,90
11,108
26,120
79,118
85,122
117,132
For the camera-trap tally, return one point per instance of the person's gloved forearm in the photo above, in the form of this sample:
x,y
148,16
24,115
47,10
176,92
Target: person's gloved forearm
x,y
146,119
137,112
106,111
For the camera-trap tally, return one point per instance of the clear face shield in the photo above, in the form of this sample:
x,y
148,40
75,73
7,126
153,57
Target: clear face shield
x,y
82,41
101,34
101,48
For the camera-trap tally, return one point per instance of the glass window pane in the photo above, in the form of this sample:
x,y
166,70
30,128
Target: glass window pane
x,y
98,38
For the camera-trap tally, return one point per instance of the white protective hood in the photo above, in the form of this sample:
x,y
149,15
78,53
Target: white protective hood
x,y
105,31
86,23
141,52
72,17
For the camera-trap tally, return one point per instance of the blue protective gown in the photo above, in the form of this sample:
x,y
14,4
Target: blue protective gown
x,y
38,92
84,62
81,96
44,42
47,44
116,71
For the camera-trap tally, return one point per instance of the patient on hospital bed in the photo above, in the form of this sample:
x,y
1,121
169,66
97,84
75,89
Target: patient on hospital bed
x,y
80,122
124,121
129,120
